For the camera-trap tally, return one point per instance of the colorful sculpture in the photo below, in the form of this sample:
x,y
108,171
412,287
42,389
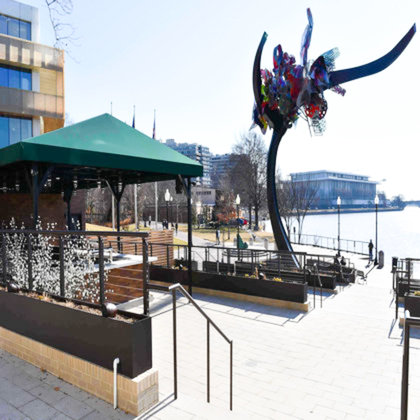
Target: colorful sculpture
x,y
294,90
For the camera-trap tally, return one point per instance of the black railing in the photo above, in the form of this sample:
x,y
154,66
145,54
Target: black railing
x,y
61,249
408,324
173,289
250,262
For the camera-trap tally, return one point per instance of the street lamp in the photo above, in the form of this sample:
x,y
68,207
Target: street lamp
x,y
338,236
171,199
376,228
167,198
238,201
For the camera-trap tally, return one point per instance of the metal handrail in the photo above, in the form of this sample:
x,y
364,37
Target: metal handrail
x,y
319,281
408,323
172,289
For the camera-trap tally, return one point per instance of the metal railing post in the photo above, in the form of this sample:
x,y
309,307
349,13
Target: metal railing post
x,y
4,257
208,361
62,292
231,376
404,387
167,256
145,277
175,344
101,271
30,278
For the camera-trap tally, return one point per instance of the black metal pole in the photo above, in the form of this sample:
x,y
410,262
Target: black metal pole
x,y
237,229
404,387
101,271
175,344
208,361
35,192
30,278
167,214
338,237
376,234
4,258
145,277
62,288
189,236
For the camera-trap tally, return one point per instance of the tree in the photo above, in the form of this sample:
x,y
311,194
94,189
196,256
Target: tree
x,y
63,31
303,196
248,175
285,202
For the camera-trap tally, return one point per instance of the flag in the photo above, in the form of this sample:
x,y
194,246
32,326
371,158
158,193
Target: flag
x,y
134,117
154,126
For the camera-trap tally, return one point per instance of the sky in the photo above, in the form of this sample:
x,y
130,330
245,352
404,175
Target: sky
x,y
191,60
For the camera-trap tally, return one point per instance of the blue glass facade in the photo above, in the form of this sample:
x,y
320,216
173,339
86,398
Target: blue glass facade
x,y
14,129
14,77
15,27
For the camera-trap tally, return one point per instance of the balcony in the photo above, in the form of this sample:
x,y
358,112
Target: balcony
x,y
16,51
26,102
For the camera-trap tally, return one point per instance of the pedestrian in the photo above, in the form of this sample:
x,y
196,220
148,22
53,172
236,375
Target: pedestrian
x,y
217,236
176,228
370,246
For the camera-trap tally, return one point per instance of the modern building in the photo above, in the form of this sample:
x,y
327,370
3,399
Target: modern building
x,y
195,152
354,190
221,164
31,76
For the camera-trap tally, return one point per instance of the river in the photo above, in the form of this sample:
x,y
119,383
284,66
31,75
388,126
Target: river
x,y
398,231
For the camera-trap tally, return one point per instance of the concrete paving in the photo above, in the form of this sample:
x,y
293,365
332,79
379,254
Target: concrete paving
x,y
27,392
341,361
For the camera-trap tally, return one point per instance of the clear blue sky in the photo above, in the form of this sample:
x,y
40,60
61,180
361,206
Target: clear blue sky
x,y
191,60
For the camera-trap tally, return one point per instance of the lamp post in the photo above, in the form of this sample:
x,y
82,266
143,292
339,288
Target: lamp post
x,y
376,228
171,199
338,235
238,201
167,198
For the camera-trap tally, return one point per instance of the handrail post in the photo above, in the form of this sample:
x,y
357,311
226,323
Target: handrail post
x,y
4,257
61,242
101,271
167,256
30,278
175,344
231,376
145,277
208,361
404,388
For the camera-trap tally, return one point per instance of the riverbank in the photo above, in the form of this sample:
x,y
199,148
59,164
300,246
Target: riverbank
x,y
357,210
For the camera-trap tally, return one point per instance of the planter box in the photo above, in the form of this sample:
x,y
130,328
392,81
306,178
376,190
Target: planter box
x,y
289,291
91,337
412,303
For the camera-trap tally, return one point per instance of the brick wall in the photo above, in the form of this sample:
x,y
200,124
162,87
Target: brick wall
x,y
52,208
134,395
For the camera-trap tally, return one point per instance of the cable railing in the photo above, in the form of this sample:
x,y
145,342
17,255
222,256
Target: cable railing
x,y
71,265
347,245
173,289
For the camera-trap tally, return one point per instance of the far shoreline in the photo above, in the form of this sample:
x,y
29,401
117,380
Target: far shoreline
x,y
354,210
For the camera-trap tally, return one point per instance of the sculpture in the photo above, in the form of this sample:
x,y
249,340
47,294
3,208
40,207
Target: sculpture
x,y
297,90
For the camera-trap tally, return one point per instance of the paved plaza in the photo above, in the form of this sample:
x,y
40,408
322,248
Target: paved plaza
x,y
341,361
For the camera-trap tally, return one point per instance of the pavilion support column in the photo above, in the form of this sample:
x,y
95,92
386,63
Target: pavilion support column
x,y
117,192
189,215
68,193
35,193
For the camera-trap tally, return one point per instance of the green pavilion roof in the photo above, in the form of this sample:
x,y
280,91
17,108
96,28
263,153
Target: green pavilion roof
x,y
102,142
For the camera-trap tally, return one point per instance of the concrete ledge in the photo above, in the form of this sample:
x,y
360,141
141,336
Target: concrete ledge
x,y
305,307
134,395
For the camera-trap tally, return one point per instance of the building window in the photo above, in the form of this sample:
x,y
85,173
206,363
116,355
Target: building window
x,y
15,27
13,130
14,77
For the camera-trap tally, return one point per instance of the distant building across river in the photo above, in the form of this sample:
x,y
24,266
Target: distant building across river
x,y
354,190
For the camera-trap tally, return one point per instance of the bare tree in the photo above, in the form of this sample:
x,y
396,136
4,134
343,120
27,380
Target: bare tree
x,y
303,197
285,202
63,31
248,176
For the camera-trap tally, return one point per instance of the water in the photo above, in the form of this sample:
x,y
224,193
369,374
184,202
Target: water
x,y
398,231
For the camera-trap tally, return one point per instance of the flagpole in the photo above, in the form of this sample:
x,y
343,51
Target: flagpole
x,y
156,186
